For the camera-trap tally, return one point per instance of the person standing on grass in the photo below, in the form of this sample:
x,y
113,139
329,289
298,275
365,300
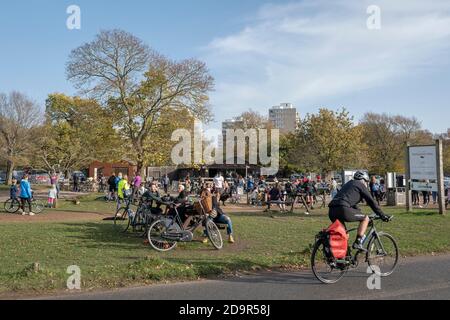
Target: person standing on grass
x,y
52,196
122,187
333,188
426,198
112,186
13,190
166,182
25,195
435,197
116,185
375,189
250,184
415,198
137,181
55,181
218,183
447,196
76,181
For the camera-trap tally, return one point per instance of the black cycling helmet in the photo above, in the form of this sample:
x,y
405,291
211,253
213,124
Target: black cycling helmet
x,y
360,175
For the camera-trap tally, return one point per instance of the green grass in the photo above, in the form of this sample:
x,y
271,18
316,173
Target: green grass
x,y
110,260
93,203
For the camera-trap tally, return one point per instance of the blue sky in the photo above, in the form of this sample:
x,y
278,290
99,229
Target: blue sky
x,y
313,53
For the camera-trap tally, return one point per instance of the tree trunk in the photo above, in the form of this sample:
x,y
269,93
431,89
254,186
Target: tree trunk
x,y
140,158
9,171
140,168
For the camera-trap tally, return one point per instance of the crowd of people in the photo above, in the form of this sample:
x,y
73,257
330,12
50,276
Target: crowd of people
x,y
260,192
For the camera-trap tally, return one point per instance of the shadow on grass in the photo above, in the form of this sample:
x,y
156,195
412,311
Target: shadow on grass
x,y
102,235
420,213
97,235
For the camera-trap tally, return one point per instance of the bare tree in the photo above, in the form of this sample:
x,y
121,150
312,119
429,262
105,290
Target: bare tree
x,y
112,68
19,117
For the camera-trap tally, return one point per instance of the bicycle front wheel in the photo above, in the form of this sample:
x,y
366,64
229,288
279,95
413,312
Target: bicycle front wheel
x,y
37,206
383,255
214,234
12,205
156,234
322,268
122,220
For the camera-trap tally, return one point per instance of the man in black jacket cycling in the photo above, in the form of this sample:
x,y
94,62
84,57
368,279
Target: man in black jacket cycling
x,y
344,207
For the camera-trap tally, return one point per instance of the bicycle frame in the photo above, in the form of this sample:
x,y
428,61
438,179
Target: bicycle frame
x,y
176,219
373,234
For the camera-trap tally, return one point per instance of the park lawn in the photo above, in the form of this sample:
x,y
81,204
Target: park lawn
x,y
111,260
93,203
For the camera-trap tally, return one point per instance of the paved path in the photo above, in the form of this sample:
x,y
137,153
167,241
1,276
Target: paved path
x,y
415,278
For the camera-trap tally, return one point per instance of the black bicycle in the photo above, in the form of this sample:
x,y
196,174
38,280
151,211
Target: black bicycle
x,y
380,251
138,221
13,205
165,233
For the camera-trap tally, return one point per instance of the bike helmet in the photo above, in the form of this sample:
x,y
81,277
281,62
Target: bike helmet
x,y
360,175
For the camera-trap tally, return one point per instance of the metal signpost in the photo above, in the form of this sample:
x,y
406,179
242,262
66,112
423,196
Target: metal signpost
x,y
425,172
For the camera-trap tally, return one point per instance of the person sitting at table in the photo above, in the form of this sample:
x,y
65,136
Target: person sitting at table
x,y
221,218
275,196
180,203
152,197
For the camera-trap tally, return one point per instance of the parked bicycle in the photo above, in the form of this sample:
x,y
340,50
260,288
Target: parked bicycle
x,y
137,221
381,254
165,233
235,198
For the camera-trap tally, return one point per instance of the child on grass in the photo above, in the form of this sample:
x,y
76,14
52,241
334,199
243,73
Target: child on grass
x,y
13,190
52,195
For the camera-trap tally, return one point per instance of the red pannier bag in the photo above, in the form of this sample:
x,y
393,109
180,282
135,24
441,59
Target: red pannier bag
x,y
338,240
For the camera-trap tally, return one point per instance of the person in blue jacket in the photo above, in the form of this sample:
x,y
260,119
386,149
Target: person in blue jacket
x,y
25,195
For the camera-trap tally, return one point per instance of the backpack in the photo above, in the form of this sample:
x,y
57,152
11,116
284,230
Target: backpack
x,y
338,240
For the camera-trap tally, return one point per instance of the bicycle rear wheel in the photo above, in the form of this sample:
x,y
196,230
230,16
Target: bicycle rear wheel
x,y
12,205
383,255
214,234
139,223
156,236
121,220
323,271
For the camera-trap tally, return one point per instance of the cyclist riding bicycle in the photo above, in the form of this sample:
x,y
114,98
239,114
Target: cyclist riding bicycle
x,y
344,206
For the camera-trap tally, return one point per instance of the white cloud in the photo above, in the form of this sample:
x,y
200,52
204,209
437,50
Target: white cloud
x,y
308,51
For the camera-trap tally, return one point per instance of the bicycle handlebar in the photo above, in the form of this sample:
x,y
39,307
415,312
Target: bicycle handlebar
x,y
375,217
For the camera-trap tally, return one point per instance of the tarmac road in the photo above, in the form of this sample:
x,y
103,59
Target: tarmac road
x,y
419,278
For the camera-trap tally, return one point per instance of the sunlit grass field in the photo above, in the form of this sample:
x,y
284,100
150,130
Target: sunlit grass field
x,y
109,259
